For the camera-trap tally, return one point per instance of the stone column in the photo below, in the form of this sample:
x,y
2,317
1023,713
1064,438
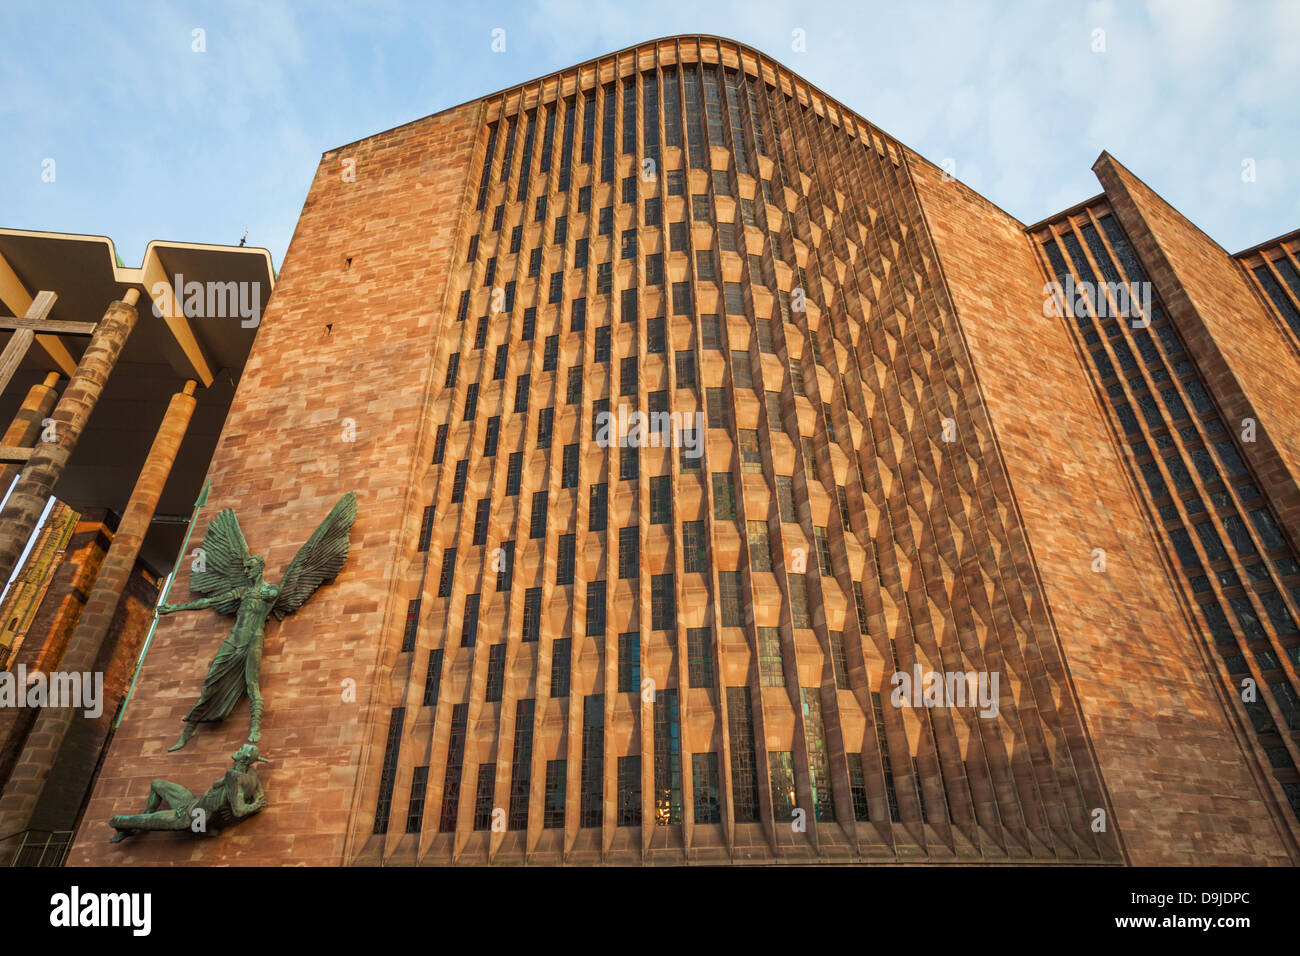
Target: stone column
x,y
24,792
25,428
41,473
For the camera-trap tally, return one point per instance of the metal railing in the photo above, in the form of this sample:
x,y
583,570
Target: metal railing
x,y
43,848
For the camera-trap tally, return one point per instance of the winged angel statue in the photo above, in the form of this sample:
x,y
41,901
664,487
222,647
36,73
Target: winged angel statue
x,y
232,580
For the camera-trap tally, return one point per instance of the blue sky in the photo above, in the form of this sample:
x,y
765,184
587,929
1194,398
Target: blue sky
x,y
151,140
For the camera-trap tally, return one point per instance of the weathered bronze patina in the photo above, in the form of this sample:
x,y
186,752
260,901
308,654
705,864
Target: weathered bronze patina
x,y
234,796
232,579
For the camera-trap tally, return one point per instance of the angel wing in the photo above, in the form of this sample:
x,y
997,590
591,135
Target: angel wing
x,y
319,560
224,552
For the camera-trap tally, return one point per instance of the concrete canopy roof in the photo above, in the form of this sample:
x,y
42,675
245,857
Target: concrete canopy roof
x,y
164,350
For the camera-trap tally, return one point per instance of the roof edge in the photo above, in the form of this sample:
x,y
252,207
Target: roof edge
x,y
611,55
129,275
1275,241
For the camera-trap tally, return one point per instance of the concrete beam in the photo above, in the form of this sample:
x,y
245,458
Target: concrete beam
x,y
18,300
173,314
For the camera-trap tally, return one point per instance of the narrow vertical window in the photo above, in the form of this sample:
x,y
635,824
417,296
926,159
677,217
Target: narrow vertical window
x,y
593,761
668,759
483,796
771,671
415,809
433,678
704,778
412,625
661,500
663,603
469,620
448,572
532,614
629,663
629,552
744,766
595,608
496,673
553,810
507,561
629,791
781,769
455,759
560,667
819,762
724,496
699,650
521,765
389,774
858,789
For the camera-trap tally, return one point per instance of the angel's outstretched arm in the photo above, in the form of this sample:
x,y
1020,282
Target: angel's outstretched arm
x,y
201,603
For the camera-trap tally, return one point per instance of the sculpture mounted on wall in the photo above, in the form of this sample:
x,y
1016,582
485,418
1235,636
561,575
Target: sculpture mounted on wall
x,y
232,579
234,796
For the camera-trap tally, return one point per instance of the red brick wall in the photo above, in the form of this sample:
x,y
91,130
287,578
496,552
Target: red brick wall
x,y
282,463
1132,661
352,333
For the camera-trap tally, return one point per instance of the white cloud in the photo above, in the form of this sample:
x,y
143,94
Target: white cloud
x,y
1012,91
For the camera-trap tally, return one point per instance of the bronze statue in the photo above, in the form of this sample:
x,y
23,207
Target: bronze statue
x,y
235,795
232,579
